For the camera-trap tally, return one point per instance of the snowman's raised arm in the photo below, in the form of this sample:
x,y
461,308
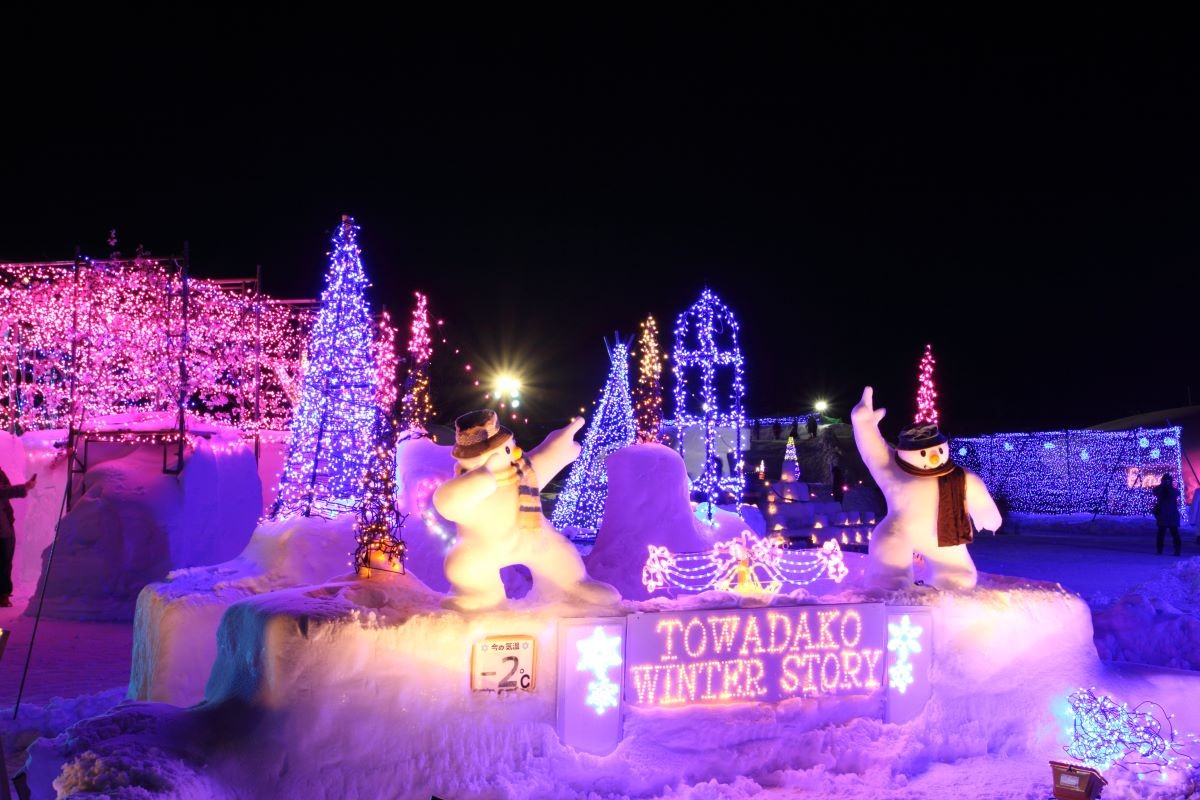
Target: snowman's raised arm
x,y
455,498
876,454
555,452
981,506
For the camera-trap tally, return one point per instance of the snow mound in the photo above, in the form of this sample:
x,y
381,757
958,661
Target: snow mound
x,y
647,504
1164,610
134,523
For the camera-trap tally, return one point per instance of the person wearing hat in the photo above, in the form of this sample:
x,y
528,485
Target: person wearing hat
x,y
934,506
495,500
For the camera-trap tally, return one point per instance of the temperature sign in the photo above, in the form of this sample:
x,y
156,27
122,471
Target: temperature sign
x,y
503,664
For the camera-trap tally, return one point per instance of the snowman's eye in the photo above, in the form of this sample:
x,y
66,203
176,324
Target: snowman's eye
x,y
507,450
922,454
942,450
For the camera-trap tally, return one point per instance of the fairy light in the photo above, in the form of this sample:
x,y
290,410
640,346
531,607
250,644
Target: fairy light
x,y
696,402
1142,739
386,362
647,399
124,318
926,394
790,461
746,564
417,411
581,503
377,530
1074,471
332,429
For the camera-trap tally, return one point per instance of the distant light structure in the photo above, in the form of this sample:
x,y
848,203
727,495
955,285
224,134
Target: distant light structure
x,y
706,355
417,405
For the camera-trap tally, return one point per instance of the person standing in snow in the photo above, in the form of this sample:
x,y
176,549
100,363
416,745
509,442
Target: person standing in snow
x,y
1166,512
8,534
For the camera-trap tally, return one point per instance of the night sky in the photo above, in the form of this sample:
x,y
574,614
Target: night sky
x,y
1019,193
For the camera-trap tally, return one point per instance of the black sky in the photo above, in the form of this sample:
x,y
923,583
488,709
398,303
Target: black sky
x,y
1021,192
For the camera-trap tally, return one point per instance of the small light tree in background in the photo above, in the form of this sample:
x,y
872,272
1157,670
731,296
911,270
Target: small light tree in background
x,y
647,395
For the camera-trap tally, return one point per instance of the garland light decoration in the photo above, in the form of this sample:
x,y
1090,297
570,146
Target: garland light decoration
x,y
647,399
926,394
746,564
1142,739
580,505
706,348
333,429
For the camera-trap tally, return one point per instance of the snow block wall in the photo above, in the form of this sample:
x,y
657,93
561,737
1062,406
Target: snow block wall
x,y
134,523
175,626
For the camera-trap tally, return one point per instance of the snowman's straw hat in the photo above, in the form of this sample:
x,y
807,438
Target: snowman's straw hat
x,y
477,432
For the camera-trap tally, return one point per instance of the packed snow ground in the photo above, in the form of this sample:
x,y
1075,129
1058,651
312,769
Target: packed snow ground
x,y
1102,560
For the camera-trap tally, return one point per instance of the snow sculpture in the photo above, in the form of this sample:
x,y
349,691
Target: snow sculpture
x,y
932,503
494,499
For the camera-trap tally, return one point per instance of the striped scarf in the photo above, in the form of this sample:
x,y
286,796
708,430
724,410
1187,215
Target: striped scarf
x,y
529,496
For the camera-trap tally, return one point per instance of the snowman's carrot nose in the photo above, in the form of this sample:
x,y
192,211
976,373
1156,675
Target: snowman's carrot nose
x,y
934,458
516,454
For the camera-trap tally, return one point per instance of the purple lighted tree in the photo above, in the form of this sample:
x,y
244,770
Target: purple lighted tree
x,y
926,394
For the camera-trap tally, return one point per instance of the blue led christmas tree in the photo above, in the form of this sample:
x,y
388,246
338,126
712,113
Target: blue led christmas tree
x,y
581,503
791,464
333,426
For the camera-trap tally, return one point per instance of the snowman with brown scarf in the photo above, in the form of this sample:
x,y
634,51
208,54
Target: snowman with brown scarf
x,y
934,505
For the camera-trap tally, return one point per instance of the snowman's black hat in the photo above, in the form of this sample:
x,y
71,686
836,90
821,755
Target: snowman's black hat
x,y
919,436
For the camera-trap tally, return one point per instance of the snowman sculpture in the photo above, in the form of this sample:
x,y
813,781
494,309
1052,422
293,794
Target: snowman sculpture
x,y
495,499
932,504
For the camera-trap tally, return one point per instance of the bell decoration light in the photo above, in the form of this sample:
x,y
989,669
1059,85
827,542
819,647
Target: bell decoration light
x,y
647,394
706,354
333,428
926,394
580,505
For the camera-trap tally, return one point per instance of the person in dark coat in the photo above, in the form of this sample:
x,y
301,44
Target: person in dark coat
x,y
811,425
1166,512
8,534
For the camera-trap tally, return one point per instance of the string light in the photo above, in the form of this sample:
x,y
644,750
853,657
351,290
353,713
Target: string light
x,y
580,505
333,427
417,409
647,399
1105,733
696,348
377,529
789,457
1074,471
386,363
124,320
746,564
926,394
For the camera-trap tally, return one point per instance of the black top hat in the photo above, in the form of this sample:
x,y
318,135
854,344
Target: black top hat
x,y
476,432
919,436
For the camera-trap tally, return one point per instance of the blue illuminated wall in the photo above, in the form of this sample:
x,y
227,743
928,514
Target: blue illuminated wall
x,y
1063,472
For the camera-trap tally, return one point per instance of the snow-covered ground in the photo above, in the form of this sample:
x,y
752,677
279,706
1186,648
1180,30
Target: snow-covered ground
x,y
1141,601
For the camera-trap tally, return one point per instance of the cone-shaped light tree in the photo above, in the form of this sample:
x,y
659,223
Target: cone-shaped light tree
x,y
647,395
333,426
416,405
926,394
581,503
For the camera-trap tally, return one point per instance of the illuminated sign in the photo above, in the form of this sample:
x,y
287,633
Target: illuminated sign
x,y
761,654
503,664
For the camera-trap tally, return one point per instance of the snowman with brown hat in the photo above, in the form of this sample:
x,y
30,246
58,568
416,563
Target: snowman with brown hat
x,y
495,500
934,505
